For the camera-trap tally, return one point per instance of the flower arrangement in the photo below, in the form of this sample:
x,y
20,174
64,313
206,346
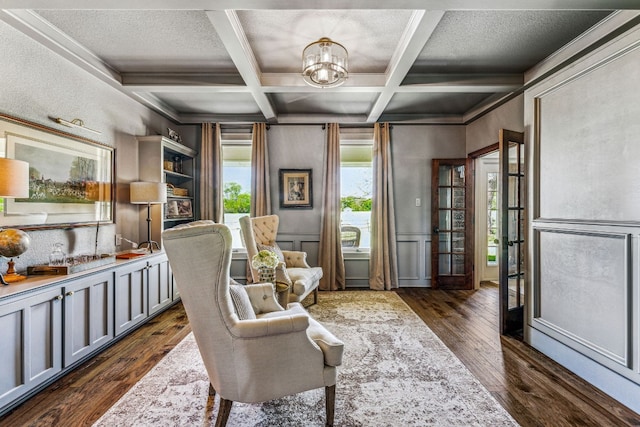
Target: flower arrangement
x,y
265,258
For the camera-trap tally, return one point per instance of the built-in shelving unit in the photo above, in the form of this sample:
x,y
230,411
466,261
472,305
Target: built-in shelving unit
x,y
164,160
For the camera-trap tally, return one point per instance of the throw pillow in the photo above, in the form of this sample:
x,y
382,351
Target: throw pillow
x,y
263,299
273,247
241,302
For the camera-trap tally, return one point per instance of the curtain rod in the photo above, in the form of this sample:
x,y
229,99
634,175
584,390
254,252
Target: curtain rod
x,y
248,127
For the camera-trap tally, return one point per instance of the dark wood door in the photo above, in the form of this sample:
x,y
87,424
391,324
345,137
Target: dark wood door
x,y
452,224
512,231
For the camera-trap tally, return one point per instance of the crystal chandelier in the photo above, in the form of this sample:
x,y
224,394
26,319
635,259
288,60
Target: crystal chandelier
x,y
324,63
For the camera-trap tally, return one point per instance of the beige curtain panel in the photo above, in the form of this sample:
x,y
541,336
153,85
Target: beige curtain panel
x,y
260,185
330,250
211,191
383,265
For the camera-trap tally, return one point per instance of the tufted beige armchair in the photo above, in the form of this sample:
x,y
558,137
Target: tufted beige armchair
x,y
253,349
260,233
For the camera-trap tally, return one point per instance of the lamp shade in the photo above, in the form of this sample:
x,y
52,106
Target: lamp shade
x,y
148,192
14,178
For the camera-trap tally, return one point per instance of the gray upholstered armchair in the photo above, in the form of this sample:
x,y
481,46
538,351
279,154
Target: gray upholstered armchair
x,y
253,349
260,233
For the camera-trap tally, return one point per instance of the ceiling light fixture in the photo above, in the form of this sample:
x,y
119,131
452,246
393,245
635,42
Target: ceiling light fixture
x,y
324,63
75,123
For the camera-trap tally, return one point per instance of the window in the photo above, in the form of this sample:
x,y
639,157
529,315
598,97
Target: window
x,y
356,181
236,184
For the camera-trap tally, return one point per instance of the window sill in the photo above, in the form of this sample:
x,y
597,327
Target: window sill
x,y
349,253
239,253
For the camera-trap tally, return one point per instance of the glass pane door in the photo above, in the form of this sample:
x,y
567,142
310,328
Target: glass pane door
x,y
512,224
450,242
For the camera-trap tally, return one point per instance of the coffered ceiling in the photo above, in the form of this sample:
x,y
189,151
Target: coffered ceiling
x,y
240,60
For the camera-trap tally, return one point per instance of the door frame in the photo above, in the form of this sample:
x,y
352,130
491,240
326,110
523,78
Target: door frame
x,y
474,156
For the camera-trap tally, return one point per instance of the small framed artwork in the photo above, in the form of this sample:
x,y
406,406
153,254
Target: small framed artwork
x,y
295,189
178,208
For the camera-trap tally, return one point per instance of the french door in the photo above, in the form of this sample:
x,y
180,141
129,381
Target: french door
x,y
452,224
512,225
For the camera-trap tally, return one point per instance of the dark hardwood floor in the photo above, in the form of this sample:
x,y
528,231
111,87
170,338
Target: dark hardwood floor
x,y
535,390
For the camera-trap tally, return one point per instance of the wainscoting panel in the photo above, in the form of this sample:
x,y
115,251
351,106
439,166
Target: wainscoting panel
x,y
308,243
239,267
408,260
287,245
584,289
414,252
311,247
427,260
356,271
414,256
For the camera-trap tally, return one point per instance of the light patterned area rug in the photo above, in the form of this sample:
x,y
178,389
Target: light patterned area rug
x,y
395,372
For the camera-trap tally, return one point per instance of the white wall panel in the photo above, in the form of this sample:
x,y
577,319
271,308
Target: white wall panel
x,y
583,289
588,144
408,260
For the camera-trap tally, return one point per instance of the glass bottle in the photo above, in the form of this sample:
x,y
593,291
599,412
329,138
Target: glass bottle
x,y
57,257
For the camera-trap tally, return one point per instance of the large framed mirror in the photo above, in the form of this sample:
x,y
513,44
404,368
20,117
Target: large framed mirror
x,y
71,178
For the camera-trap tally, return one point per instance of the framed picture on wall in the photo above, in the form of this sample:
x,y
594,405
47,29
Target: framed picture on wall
x,y
71,178
295,189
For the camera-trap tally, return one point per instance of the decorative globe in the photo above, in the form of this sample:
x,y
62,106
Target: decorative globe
x,y
13,242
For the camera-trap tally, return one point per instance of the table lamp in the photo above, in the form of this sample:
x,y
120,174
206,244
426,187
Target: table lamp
x,y
14,183
149,193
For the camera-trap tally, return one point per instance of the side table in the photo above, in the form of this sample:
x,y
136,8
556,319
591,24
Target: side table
x,y
282,294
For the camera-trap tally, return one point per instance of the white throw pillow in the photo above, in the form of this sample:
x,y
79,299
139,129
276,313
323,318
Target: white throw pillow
x,y
262,298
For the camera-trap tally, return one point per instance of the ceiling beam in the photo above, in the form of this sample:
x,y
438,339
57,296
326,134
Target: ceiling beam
x,y
229,29
325,4
217,118
229,80
156,104
293,82
457,83
418,31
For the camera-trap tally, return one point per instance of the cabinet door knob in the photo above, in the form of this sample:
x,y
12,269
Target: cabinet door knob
x,y
59,297
69,293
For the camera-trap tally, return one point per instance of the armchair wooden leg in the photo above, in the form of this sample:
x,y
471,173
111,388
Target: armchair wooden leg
x,y
315,296
212,391
223,412
330,398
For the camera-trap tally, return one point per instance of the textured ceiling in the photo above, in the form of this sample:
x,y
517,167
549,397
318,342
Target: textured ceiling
x,y
277,38
143,41
243,64
500,41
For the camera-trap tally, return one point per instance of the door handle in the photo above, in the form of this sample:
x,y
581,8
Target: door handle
x,y
436,230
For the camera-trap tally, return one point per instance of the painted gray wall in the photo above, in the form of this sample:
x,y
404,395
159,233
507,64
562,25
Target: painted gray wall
x,y
584,196
413,148
36,84
484,131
